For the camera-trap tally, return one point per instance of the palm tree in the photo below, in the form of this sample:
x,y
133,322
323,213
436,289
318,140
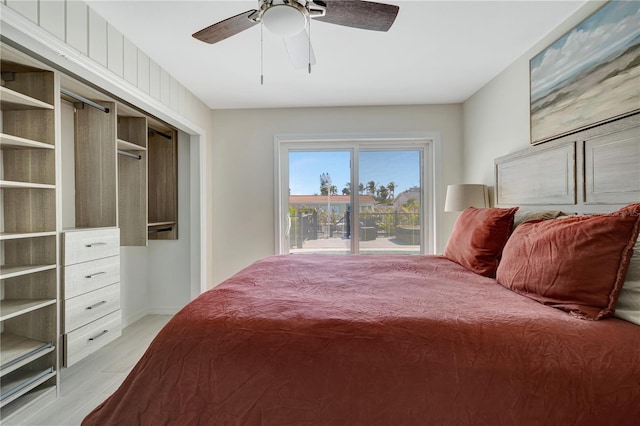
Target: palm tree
x,y
371,188
383,194
325,181
392,189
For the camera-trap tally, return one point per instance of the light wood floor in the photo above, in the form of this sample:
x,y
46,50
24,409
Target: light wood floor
x,y
90,381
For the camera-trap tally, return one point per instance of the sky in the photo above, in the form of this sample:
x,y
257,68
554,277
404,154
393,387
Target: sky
x,y
399,166
613,28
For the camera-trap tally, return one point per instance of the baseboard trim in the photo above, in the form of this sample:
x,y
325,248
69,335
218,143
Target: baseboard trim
x,y
163,310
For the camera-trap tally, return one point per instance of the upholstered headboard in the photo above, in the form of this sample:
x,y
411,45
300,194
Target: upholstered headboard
x,y
595,170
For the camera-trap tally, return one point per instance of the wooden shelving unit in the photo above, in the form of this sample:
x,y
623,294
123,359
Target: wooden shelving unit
x,y
60,137
132,180
13,100
156,224
12,271
21,235
15,142
162,150
19,350
19,382
96,167
128,146
13,308
29,290
24,185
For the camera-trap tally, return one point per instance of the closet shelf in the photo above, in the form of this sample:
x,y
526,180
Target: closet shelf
x,y
22,382
12,308
43,394
161,223
11,271
16,351
9,184
12,100
129,146
4,236
16,142
30,138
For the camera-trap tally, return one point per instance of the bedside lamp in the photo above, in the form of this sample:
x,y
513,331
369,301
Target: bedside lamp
x,y
459,197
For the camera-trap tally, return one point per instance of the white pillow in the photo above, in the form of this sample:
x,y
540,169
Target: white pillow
x,y
628,306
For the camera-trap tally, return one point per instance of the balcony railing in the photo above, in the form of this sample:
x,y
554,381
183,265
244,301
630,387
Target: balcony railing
x,y
400,227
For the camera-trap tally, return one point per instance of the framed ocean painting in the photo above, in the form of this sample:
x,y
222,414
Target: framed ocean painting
x,y
589,76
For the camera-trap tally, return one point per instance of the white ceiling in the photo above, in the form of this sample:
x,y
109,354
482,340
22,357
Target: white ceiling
x,y
436,51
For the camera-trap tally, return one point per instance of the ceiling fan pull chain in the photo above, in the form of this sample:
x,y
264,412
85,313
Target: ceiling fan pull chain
x,y
309,53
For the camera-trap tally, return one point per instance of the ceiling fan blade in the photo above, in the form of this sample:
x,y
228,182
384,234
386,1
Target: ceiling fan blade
x,y
365,15
227,28
299,50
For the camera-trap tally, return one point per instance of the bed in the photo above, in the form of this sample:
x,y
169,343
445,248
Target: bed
x,y
407,340
378,340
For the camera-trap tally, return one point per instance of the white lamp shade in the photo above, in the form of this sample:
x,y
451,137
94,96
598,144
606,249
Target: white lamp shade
x,y
459,197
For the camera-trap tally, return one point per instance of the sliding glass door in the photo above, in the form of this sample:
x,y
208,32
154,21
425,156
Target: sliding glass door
x,y
353,197
390,201
319,209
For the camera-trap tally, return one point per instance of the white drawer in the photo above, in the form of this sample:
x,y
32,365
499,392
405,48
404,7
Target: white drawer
x,y
90,244
85,340
83,309
88,276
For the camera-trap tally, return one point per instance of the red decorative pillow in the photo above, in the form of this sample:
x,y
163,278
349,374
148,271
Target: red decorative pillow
x,y
478,238
577,264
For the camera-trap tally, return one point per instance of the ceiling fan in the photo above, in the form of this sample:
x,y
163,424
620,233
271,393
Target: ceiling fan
x,y
289,18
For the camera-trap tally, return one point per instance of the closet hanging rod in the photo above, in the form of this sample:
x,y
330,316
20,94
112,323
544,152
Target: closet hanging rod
x,y
128,154
84,100
155,231
157,132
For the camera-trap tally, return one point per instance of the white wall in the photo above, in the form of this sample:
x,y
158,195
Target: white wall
x,y
496,118
134,284
243,166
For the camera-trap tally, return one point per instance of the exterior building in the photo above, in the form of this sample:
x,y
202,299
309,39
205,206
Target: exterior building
x,y
405,196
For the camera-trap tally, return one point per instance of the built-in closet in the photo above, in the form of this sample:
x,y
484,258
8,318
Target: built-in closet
x,y
125,194
82,175
29,287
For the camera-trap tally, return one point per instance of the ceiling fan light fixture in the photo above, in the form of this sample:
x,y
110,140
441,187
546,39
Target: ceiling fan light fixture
x,y
284,20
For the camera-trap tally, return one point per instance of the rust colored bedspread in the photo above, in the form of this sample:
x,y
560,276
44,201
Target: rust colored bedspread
x,y
377,340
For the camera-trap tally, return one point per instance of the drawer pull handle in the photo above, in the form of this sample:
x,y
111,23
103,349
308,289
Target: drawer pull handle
x,y
99,335
94,275
95,244
97,304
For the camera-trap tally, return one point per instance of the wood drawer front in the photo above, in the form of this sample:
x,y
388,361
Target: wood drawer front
x,y
86,245
85,340
81,310
88,276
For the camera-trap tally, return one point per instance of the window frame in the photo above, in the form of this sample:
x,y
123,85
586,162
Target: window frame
x,y
428,143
